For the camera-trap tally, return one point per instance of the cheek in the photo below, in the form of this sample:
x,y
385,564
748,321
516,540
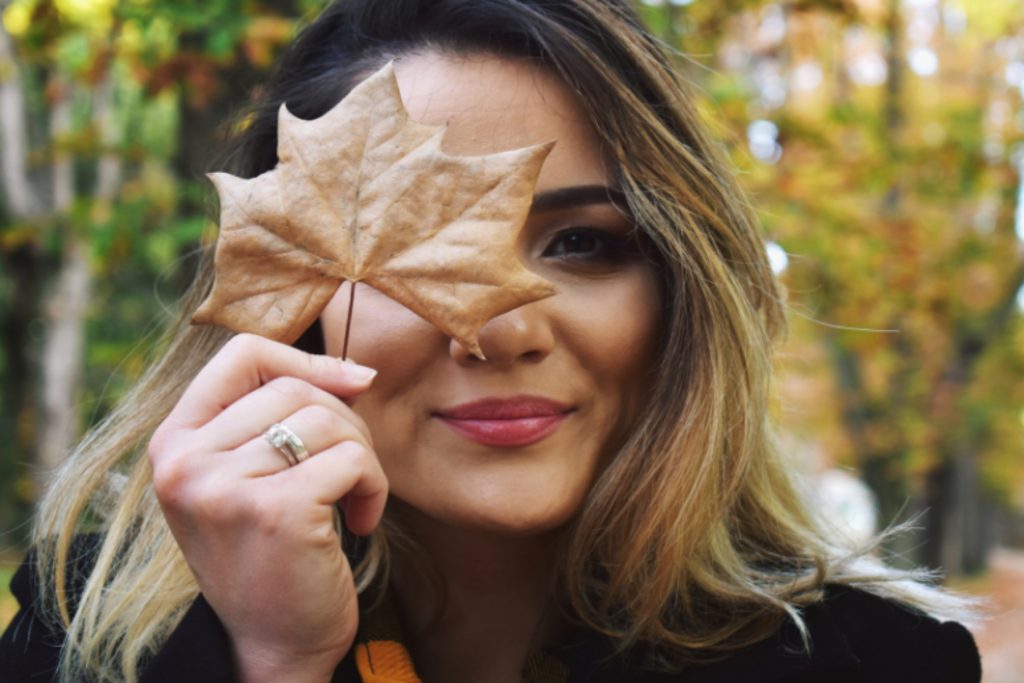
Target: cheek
x,y
613,330
613,334
396,342
383,334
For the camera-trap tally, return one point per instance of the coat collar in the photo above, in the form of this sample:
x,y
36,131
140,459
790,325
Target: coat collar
x,y
776,659
590,657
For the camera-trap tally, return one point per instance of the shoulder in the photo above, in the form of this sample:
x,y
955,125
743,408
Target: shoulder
x,y
855,637
31,644
891,641
197,650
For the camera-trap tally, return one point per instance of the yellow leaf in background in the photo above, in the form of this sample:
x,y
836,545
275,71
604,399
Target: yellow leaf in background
x,y
365,194
96,15
16,17
263,35
989,18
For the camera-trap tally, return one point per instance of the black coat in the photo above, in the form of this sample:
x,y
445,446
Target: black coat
x,y
856,637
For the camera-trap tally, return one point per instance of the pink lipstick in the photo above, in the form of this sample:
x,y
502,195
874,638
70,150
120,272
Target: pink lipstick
x,y
506,422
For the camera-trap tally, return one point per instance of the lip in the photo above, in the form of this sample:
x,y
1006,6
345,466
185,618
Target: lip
x,y
506,422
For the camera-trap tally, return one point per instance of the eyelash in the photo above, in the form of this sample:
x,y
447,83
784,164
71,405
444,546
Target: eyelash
x,y
610,248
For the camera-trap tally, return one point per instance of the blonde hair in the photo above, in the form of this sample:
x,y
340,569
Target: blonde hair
x,y
693,540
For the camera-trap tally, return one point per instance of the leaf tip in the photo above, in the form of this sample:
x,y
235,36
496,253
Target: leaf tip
x,y
284,112
203,314
539,152
475,350
215,177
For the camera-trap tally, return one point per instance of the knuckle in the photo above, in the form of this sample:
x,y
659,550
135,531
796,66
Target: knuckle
x,y
357,428
273,511
175,486
157,446
331,426
314,364
207,503
243,344
358,455
291,388
165,441
320,416
217,503
169,477
360,424
322,536
170,466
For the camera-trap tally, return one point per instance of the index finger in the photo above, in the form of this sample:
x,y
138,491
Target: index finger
x,y
247,362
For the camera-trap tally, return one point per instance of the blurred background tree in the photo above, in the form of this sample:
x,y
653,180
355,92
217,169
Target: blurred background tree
x,y
881,141
110,112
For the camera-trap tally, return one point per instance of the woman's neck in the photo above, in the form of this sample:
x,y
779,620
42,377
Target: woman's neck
x,y
494,608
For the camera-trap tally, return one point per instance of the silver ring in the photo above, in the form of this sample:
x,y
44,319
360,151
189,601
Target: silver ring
x,y
287,442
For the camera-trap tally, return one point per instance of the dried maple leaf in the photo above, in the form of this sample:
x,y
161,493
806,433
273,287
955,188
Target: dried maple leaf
x,y
365,194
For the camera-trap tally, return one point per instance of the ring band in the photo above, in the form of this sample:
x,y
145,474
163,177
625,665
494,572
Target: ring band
x,y
287,442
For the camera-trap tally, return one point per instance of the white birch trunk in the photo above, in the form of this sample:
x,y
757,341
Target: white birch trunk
x,y
64,310
67,310
21,199
63,355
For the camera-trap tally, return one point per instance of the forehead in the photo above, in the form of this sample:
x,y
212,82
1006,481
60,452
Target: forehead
x,y
492,104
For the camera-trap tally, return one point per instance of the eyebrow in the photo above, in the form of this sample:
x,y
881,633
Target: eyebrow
x,y
582,195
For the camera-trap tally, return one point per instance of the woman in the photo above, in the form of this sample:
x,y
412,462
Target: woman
x,y
597,498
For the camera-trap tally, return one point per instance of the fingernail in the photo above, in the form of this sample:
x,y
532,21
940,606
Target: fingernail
x,y
357,371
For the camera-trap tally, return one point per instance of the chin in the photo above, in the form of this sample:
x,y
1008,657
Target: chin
x,y
518,526
522,508
510,518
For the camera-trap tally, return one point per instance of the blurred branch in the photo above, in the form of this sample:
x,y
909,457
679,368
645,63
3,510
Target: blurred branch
x,y
63,179
110,164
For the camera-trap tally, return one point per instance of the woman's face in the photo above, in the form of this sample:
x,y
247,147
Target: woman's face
x,y
511,443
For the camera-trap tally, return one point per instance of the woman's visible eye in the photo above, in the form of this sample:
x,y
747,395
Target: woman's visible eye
x,y
587,245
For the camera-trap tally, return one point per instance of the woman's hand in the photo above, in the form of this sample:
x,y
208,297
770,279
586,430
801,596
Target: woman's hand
x,y
258,534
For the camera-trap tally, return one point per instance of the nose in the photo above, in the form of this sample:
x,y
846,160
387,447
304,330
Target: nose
x,y
520,335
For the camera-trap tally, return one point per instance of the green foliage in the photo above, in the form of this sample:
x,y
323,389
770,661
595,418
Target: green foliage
x,y
132,71
895,200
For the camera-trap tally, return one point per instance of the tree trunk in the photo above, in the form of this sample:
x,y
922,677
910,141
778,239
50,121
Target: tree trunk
x,y
67,309
64,310
957,543
22,202
62,355
23,268
962,536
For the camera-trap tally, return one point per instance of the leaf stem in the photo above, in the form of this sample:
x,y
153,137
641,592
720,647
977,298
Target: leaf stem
x,y
348,321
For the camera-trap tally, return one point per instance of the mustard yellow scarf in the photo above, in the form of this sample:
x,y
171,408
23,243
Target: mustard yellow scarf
x,y
381,656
